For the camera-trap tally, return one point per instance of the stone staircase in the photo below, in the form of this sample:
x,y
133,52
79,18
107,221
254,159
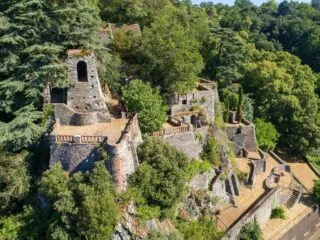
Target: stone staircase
x,y
294,198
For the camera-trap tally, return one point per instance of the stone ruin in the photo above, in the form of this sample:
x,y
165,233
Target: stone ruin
x,y
190,115
83,124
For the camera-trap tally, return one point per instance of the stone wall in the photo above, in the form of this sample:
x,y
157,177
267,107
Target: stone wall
x,y
260,212
186,143
74,157
68,116
203,97
243,135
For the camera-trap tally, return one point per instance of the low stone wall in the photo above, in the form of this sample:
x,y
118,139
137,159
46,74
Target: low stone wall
x,y
243,135
259,212
305,228
67,116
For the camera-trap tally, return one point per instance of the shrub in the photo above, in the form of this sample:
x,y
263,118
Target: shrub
x,y
267,134
162,173
204,228
140,97
251,231
211,151
197,166
278,212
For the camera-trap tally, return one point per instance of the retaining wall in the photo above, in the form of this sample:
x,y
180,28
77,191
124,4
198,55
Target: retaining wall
x,y
259,212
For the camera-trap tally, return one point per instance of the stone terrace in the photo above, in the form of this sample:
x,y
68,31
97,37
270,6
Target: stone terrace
x,y
112,130
247,196
275,228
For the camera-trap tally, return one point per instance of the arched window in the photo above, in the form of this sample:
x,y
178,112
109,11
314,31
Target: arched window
x,y
82,71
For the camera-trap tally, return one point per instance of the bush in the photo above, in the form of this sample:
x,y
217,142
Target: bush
x,y
251,231
211,151
242,176
197,166
267,134
140,97
204,228
162,235
162,173
278,212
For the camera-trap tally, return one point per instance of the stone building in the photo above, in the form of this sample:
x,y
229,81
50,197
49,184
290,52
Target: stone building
x,y
83,124
190,115
197,103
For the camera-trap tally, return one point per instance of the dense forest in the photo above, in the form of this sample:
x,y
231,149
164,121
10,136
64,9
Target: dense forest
x,y
271,51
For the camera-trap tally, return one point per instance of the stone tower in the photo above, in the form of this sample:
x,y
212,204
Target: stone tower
x,y
83,124
86,94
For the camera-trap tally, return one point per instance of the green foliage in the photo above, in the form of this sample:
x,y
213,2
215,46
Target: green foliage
x,y
251,231
242,176
195,167
267,135
80,207
211,151
171,58
314,158
240,105
283,90
141,98
316,191
226,113
14,179
278,212
161,235
204,228
9,227
248,109
162,173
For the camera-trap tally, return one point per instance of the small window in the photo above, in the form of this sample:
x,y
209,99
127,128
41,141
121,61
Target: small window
x,y
184,102
82,71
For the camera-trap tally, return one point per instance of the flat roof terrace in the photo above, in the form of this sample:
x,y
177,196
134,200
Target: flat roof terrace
x,y
112,130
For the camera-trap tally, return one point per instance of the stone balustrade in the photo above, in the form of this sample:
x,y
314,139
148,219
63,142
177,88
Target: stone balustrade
x,y
172,130
79,139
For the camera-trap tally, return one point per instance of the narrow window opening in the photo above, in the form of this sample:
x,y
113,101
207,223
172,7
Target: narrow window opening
x,y
82,71
184,102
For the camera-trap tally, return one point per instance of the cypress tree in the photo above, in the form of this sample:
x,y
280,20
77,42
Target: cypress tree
x,y
226,109
240,104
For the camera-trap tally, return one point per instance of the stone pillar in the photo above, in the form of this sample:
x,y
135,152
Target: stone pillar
x,y
77,139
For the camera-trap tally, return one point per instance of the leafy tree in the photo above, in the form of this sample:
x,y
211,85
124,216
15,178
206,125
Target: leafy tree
x,y
284,90
14,179
162,173
81,207
251,231
9,227
170,57
140,97
266,133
